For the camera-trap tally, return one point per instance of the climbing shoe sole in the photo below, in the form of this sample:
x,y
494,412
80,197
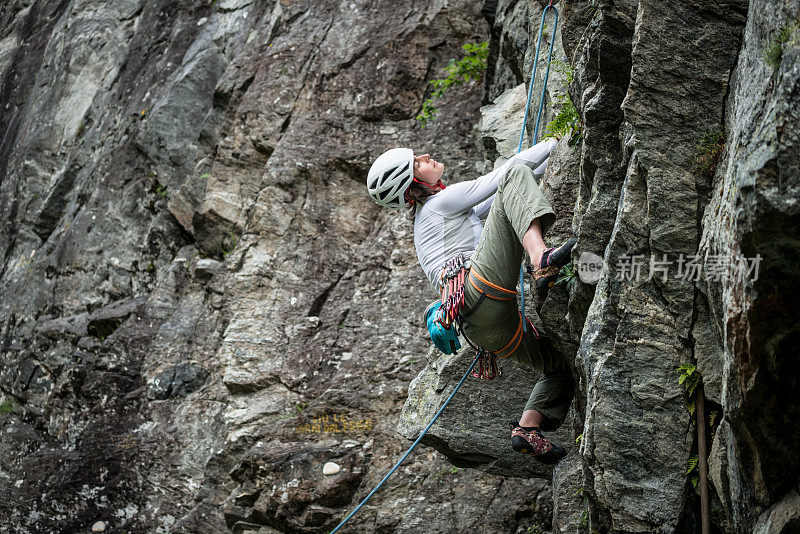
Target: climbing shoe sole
x,y
553,456
534,443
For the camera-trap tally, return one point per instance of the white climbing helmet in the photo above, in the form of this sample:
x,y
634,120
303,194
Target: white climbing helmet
x,y
390,176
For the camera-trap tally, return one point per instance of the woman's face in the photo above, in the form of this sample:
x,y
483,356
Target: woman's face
x,y
427,170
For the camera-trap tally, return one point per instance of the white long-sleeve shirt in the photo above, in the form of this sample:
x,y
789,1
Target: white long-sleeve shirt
x,y
451,221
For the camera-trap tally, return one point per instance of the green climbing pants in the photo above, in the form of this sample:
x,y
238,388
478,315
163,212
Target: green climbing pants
x,y
497,258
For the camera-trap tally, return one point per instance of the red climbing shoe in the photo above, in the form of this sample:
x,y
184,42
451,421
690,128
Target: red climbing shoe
x,y
550,265
529,440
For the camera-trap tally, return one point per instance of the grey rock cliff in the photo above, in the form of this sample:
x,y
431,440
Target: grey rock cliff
x,y
200,305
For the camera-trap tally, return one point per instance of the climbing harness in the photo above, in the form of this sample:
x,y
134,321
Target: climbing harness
x,y
538,115
455,275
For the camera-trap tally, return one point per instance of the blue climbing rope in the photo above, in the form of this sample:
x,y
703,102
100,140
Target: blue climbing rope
x,y
538,118
410,449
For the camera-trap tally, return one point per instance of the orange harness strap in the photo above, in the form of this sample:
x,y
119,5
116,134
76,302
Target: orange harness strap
x,y
493,291
512,345
496,292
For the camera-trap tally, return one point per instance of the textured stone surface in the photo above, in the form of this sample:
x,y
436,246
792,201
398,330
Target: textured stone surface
x,y
637,331
181,193
752,210
500,131
474,429
205,161
782,517
570,505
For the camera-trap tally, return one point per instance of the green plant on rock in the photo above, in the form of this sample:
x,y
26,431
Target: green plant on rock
x,y
9,406
298,409
712,419
773,54
161,191
690,378
232,241
692,470
470,67
583,520
565,71
567,121
567,276
709,151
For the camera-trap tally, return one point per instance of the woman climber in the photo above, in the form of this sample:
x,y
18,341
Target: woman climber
x,y
475,267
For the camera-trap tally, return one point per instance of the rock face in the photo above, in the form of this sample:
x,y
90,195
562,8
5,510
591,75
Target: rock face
x,y
753,213
201,307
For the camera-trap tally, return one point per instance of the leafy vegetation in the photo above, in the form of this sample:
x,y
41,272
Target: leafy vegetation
x,y
9,406
773,54
690,378
583,520
162,191
692,470
567,276
298,408
709,151
229,244
446,470
470,67
567,121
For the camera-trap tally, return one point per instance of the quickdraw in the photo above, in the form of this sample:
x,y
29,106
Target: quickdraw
x,y
487,366
452,279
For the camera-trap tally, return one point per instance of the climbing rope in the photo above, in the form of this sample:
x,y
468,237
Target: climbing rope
x,y
538,117
409,450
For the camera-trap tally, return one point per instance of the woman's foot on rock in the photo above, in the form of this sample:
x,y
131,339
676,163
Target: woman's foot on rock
x,y
557,256
529,440
549,266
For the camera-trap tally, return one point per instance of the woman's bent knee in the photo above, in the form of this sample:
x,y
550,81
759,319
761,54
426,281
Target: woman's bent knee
x,y
517,172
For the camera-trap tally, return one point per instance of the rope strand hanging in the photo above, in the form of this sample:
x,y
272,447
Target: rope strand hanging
x,y
351,514
538,116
